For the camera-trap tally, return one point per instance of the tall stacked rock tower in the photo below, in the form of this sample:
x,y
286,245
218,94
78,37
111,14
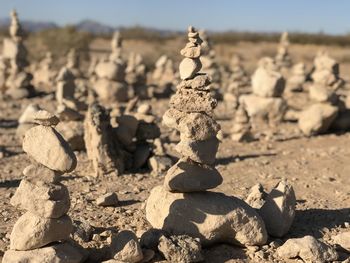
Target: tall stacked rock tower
x,y
39,234
183,205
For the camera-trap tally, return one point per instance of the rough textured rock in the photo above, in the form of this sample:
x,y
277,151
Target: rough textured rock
x,y
126,248
278,210
182,249
189,100
265,108
109,199
46,146
317,118
199,151
31,231
102,146
188,176
43,199
308,249
256,197
211,217
189,67
73,133
39,173
198,126
59,253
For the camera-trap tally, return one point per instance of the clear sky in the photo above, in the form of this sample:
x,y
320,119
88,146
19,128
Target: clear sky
x,y
332,16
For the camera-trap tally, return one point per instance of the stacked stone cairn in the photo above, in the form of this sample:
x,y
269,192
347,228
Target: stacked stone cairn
x,y
239,77
319,117
42,233
18,83
44,75
183,206
209,64
295,83
110,85
241,129
136,76
266,104
163,77
73,63
237,81
283,59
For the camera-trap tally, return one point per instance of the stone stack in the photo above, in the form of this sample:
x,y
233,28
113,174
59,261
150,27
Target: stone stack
x,y
41,234
296,81
283,59
266,102
136,75
241,129
73,63
319,117
163,77
237,82
239,77
44,75
18,82
183,206
116,46
110,85
209,64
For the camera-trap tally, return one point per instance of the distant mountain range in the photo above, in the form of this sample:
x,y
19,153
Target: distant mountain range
x,y
87,25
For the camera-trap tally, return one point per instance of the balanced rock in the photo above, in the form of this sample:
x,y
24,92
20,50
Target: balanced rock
x,y
58,253
188,176
308,248
40,173
211,217
42,199
199,151
46,146
32,231
189,100
317,118
189,67
45,118
198,126
278,210
256,197
126,248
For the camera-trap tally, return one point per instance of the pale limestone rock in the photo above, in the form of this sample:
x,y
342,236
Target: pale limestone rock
x,y
59,253
211,217
31,231
278,211
108,199
188,176
42,199
126,248
308,249
47,147
317,118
